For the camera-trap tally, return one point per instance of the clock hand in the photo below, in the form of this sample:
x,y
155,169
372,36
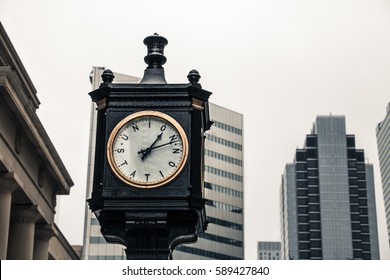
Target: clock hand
x,y
162,145
147,151
155,147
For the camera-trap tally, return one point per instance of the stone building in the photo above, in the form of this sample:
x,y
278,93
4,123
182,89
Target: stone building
x,y
31,171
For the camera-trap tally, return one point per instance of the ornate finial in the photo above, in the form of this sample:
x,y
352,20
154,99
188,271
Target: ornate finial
x,y
154,73
155,57
107,77
194,77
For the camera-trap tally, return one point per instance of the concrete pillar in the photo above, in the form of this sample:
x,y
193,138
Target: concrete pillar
x,y
43,233
7,186
21,232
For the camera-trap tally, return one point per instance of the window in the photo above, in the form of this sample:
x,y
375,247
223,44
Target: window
x,y
304,236
313,190
350,141
223,173
303,219
314,208
224,142
223,157
301,166
304,246
222,189
311,153
311,141
315,225
312,181
228,127
314,217
315,244
312,163
316,253
312,173
302,192
315,234
303,210
303,201
300,156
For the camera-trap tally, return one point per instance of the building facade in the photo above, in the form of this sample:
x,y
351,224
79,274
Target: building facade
x,y
223,187
327,198
383,140
268,250
31,171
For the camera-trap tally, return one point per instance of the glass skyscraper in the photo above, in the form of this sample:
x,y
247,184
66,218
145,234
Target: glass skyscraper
x,y
223,189
327,198
383,140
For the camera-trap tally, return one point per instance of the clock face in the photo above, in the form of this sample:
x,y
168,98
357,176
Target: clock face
x,y
147,149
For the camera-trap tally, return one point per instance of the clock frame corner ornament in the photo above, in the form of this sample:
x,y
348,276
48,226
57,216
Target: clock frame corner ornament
x,y
147,149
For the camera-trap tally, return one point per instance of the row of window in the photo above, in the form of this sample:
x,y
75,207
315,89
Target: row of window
x,y
224,206
268,258
223,157
221,239
222,189
360,255
224,142
313,244
304,209
224,223
223,173
205,253
228,127
308,218
308,236
313,254
269,253
107,257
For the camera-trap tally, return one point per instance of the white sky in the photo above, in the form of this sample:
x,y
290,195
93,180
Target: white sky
x,y
279,62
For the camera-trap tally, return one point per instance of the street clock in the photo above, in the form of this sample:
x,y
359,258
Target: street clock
x,y
148,188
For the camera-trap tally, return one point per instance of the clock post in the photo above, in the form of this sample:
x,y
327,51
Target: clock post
x,y
148,189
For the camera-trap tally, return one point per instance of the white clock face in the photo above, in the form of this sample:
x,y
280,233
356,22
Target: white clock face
x,y
147,149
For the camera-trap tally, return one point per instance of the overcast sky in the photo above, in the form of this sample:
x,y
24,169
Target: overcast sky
x,y
279,62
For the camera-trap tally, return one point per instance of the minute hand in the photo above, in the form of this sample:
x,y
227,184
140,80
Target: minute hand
x,y
162,145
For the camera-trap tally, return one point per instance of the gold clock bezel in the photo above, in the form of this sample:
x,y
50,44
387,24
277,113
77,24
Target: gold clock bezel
x,y
155,184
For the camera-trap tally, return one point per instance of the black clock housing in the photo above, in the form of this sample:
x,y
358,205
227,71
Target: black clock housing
x,y
170,213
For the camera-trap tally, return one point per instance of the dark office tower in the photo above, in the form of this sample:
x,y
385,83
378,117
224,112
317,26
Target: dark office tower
x,y
383,140
327,198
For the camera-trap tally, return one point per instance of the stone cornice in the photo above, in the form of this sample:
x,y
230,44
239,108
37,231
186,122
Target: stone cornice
x,y
32,126
10,58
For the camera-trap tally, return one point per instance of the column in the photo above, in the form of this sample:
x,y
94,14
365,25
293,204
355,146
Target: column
x,y
21,232
7,186
43,233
